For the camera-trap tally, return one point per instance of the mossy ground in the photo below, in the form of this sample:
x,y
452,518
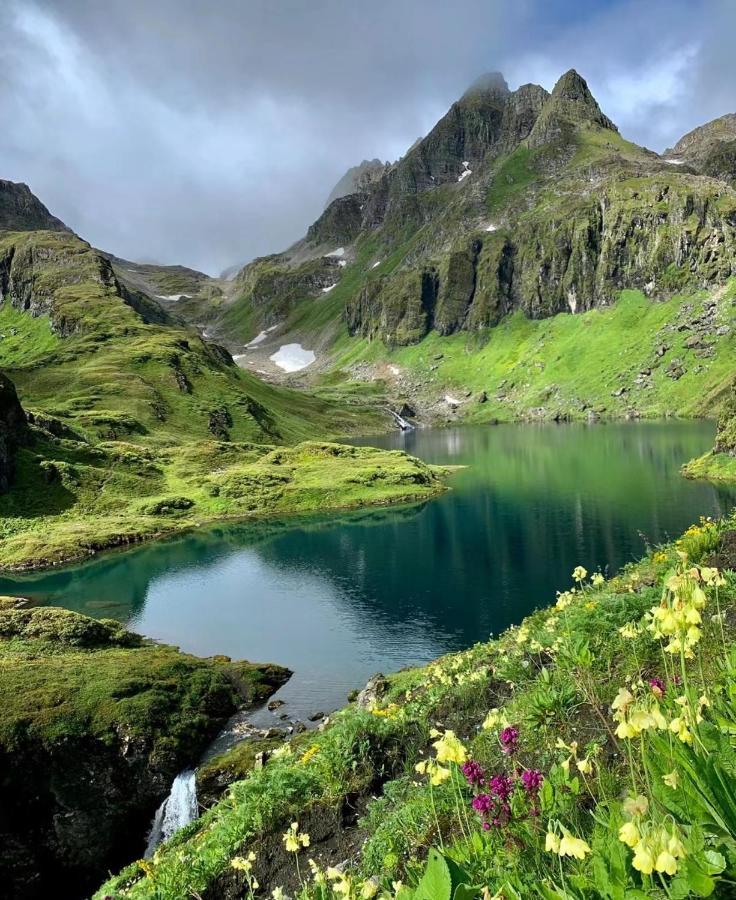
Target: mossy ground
x,y
569,365
554,679
71,499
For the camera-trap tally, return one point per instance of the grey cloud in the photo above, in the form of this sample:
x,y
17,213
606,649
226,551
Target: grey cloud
x,y
207,133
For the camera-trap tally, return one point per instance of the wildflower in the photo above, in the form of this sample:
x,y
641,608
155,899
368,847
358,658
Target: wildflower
x,y
501,786
243,864
278,893
283,750
450,749
597,579
531,781
564,600
628,833
579,574
369,888
622,700
572,846
552,843
294,839
509,739
491,720
309,753
522,635
318,875
672,779
473,772
636,806
436,773
629,631
679,727
658,687
643,860
483,803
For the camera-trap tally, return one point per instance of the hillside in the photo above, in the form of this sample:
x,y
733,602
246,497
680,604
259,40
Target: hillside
x,y
516,203
132,411
586,754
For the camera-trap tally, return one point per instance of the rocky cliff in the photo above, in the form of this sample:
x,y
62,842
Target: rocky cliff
x,y
95,723
357,179
20,210
12,430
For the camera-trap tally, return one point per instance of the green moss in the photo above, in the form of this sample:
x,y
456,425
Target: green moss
x,y
71,500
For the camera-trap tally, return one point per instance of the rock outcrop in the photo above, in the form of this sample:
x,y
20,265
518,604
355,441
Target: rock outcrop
x,y
357,179
12,431
20,210
95,723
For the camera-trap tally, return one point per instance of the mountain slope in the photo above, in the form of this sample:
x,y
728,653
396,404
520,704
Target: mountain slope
x,y
516,201
357,178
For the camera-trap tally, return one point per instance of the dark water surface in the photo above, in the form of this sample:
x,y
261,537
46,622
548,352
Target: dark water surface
x,y
341,597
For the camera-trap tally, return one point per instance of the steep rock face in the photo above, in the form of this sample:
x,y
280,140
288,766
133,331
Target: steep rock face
x,y
710,148
12,430
20,210
45,273
95,725
642,233
270,288
357,179
340,223
399,310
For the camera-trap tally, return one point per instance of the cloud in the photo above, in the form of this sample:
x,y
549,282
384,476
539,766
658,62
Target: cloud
x,y
206,134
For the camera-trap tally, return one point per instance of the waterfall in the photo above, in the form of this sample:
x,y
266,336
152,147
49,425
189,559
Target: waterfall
x,y
178,809
402,423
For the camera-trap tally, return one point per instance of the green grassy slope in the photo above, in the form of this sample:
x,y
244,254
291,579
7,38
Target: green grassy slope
x,y
552,682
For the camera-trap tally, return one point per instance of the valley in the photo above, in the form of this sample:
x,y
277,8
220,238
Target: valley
x,y
503,358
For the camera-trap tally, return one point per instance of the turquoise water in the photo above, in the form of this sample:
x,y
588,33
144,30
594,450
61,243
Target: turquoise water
x,y
339,598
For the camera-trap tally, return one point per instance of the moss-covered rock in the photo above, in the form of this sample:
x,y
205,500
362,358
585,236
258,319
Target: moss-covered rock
x,y
95,723
12,430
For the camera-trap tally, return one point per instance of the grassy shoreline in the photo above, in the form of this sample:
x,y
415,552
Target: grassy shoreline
x,y
72,501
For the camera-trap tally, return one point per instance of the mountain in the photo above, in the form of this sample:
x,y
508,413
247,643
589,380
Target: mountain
x,y
710,149
20,210
515,200
357,178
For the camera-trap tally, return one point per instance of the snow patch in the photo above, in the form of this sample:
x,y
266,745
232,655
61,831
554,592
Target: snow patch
x,y
328,289
376,264
259,338
170,296
339,252
342,263
451,401
491,227
293,357
675,162
394,370
466,171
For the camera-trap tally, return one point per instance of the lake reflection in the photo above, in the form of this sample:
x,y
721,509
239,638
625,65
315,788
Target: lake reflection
x,y
341,597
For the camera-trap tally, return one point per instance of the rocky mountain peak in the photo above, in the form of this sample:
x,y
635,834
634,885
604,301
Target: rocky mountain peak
x,y
489,83
357,178
21,210
570,104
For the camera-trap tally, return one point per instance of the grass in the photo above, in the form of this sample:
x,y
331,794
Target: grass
x,y
553,679
569,364
71,499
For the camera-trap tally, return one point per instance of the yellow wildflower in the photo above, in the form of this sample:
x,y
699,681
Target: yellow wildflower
x,y
597,579
552,843
572,846
579,574
636,806
672,779
294,839
628,833
450,749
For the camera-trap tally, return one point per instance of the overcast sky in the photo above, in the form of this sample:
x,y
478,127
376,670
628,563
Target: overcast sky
x,y
207,132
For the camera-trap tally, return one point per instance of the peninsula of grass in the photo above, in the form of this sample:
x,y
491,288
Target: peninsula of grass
x,y
72,499
586,754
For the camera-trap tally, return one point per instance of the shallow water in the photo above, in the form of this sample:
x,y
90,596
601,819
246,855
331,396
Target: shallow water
x,y
340,597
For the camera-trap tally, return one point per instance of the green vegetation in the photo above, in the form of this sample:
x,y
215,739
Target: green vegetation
x,y
595,741
604,361
95,722
71,499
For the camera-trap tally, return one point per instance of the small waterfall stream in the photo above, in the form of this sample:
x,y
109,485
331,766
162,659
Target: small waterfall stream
x,y
401,422
177,810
